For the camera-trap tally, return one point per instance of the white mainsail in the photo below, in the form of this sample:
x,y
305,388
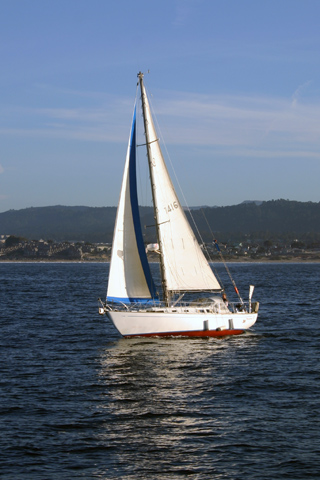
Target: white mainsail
x,y
184,266
129,276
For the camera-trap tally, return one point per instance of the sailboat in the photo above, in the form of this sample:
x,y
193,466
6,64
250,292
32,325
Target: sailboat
x,y
133,302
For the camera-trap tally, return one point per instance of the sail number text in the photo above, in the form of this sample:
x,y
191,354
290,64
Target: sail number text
x,y
172,206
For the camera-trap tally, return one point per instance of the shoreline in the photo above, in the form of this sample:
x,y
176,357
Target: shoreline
x,y
297,259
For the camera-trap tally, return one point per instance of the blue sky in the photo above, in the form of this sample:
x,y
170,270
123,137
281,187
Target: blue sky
x,y
235,88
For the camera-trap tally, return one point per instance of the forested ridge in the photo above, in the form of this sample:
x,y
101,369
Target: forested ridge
x,y
272,219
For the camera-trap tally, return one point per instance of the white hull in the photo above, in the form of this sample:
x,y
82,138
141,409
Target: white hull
x,y
169,323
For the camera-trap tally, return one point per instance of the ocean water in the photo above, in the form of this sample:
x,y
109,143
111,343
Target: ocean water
x,y
79,402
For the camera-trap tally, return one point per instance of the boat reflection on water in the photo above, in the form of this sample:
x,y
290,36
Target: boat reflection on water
x,y
167,399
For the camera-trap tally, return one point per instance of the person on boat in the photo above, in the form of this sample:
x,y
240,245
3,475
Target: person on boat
x,y
224,298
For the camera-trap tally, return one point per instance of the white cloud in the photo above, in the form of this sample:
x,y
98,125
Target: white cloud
x,y
252,122
297,93
261,126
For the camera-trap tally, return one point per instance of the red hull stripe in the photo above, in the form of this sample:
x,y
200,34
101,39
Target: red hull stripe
x,y
196,333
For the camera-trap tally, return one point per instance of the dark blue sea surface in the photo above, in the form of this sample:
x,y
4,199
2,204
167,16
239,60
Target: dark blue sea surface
x,y
79,402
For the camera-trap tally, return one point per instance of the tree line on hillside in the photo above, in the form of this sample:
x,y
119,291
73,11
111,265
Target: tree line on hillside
x,y
275,219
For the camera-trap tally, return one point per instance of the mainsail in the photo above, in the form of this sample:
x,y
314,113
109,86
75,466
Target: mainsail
x,y
184,266
129,277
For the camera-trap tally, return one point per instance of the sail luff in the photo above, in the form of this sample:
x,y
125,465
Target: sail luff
x,y
144,103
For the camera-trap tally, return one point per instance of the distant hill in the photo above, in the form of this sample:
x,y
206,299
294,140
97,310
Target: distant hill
x,y
275,218
60,223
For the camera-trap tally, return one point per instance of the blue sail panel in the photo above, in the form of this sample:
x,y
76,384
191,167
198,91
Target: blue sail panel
x,y
135,211
127,300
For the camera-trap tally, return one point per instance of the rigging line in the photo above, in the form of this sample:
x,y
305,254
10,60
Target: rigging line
x,y
148,143
222,259
161,223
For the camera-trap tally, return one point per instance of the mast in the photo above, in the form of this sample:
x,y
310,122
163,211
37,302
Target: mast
x,y
166,296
